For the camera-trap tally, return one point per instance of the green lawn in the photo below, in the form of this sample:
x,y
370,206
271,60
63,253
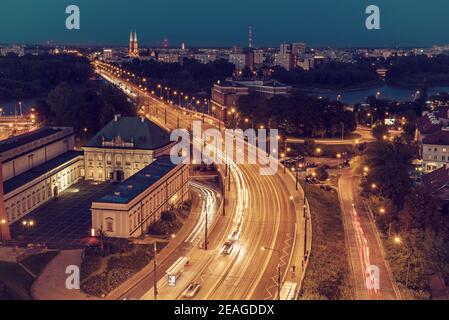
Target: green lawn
x,y
328,274
17,281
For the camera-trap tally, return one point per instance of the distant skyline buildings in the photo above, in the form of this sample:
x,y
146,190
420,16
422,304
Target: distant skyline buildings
x,y
321,23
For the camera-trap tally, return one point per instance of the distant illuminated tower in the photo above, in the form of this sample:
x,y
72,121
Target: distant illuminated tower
x,y
131,44
136,45
183,46
250,37
165,43
133,50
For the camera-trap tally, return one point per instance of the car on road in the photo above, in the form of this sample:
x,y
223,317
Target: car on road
x,y
325,187
227,247
191,290
312,165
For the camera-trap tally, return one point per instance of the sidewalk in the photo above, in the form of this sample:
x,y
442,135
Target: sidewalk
x,y
51,283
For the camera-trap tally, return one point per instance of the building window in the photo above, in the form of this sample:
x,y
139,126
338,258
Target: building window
x,y
443,158
109,225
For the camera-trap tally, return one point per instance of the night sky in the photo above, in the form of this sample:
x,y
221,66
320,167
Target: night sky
x,y
225,23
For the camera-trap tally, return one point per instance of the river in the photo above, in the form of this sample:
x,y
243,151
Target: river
x,y
386,92
13,107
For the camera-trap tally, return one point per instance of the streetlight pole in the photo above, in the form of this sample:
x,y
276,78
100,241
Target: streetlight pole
x,y
285,152
154,270
205,233
223,186
342,131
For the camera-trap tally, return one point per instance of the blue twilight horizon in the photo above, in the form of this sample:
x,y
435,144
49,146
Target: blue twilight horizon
x,y
338,23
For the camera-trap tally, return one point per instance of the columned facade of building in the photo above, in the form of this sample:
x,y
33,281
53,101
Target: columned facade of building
x,y
139,201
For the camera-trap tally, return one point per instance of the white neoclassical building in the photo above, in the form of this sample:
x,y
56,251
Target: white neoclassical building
x,y
137,202
35,167
123,147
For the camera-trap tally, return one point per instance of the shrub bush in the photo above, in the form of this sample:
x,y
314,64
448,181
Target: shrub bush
x,y
96,285
90,264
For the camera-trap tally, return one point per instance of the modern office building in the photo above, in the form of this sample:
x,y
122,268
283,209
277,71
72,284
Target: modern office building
x,y
285,58
138,202
238,60
168,57
205,57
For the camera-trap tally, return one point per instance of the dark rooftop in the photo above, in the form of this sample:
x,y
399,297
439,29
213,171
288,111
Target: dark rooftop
x,y
142,134
436,180
139,182
439,138
36,172
28,137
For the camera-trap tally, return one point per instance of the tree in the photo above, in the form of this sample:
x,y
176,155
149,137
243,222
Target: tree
x,y
379,131
321,173
309,147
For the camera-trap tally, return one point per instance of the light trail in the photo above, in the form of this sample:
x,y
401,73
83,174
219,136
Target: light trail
x,y
209,208
364,250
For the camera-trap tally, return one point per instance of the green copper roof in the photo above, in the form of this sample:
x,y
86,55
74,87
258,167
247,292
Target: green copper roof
x,y
130,133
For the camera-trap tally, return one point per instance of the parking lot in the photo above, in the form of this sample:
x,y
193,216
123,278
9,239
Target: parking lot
x,y
63,222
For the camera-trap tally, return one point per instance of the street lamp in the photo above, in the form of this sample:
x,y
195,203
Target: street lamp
x,y
279,268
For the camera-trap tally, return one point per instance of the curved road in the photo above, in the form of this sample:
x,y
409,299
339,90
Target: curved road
x,y
269,217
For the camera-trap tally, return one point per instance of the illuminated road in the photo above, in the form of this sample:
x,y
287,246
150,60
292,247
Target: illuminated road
x,y
363,135
263,215
365,249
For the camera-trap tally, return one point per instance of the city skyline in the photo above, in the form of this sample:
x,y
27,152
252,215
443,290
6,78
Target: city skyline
x,y
340,25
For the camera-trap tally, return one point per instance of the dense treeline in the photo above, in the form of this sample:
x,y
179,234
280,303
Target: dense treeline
x,y
66,95
415,222
89,106
189,77
33,76
298,115
330,75
418,70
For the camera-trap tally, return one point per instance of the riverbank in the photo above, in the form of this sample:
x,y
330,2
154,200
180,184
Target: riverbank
x,y
359,95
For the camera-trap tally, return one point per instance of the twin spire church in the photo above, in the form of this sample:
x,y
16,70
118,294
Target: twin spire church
x,y
133,50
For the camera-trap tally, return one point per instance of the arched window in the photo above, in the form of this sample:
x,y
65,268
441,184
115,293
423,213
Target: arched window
x,y
109,224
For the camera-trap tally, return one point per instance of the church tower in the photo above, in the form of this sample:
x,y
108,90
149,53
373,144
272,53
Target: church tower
x,y
136,45
131,44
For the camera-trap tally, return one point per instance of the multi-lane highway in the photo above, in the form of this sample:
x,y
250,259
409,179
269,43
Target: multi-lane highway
x,y
265,214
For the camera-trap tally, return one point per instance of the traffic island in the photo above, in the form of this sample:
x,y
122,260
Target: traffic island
x,y
327,275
